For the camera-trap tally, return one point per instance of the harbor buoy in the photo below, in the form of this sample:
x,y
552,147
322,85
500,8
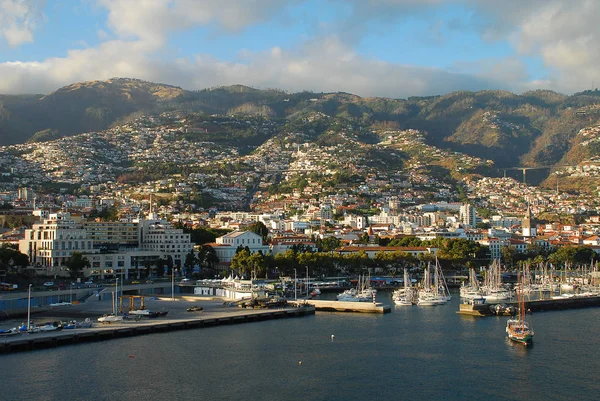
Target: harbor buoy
x,y
131,356
299,362
332,337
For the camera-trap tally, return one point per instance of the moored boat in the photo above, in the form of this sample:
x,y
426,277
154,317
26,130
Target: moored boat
x,y
75,324
110,319
518,329
9,332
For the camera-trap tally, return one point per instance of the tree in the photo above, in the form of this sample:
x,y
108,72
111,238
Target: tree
x,y
328,244
260,229
509,255
190,260
76,263
12,257
239,261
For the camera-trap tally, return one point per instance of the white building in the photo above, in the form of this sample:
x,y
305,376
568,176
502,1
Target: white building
x,y
227,244
468,215
160,236
112,248
53,241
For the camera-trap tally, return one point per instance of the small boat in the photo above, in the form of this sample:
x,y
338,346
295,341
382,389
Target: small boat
x,y
147,313
74,324
110,319
45,327
140,312
475,307
9,332
195,308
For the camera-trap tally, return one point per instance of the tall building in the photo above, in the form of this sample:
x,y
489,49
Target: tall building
x,y
25,193
468,215
52,242
529,225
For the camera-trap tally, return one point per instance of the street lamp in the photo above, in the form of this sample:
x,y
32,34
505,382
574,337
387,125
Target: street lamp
x,y
295,286
306,282
28,307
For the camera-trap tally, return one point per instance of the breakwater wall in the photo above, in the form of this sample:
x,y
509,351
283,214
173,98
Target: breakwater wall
x,y
29,342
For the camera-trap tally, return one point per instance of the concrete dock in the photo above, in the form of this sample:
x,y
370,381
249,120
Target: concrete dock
x,y
214,313
573,302
341,306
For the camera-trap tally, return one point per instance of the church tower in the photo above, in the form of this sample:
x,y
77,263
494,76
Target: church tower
x,y
529,225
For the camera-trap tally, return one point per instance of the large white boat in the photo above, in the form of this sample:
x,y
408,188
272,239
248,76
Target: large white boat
x,y
435,293
404,296
362,293
493,290
471,290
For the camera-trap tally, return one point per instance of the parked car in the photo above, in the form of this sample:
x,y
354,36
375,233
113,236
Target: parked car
x,y
49,284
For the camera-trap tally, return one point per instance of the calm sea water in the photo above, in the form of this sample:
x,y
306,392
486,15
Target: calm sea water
x,y
413,353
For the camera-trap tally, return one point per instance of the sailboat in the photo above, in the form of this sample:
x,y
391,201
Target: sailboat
x,y
436,294
404,296
114,317
362,293
518,329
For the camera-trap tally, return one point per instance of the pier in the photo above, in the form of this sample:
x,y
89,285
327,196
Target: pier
x,y
560,303
574,302
214,313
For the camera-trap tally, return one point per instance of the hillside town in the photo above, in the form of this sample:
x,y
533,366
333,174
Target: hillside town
x,y
127,198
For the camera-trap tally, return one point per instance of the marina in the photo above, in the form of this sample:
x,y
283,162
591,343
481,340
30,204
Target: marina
x,y
428,349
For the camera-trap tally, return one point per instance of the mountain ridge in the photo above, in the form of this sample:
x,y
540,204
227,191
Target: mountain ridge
x,y
534,128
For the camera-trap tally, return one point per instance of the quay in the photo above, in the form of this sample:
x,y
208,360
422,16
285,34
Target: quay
x,y
341,306
539,305
214,313
573,302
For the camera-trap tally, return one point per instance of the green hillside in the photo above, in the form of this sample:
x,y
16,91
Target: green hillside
x,y
535,128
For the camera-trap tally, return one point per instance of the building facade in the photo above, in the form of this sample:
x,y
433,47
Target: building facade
x,y
226,245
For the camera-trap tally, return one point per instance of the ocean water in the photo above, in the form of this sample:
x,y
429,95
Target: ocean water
x,y
413,353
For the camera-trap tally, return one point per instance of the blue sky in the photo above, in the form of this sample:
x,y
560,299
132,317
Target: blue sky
x,y
391,48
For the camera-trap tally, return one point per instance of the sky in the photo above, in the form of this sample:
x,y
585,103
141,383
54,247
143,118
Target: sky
x,y
387,48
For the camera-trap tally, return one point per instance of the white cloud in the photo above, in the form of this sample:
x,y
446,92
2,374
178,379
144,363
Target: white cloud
x,y
19,19
154,19
563,35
